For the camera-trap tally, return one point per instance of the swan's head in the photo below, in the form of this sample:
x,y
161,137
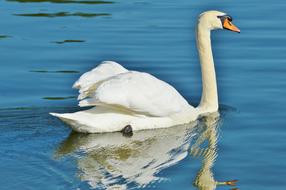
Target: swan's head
x,y
213,20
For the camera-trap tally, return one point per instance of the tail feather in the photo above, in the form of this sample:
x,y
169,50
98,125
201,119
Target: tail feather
x,y
55,114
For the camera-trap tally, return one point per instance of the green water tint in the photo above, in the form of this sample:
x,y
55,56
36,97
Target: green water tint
x,y
3,36
61,71
63,14
61,1
58,98
68,41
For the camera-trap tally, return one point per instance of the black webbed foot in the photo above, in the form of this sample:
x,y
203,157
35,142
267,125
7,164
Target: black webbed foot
x,y
127,131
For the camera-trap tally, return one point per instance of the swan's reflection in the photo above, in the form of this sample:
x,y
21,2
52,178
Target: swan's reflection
x,y
205,179
112,161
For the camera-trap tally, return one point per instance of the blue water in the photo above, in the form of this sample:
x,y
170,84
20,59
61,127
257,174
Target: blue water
x,y
46,45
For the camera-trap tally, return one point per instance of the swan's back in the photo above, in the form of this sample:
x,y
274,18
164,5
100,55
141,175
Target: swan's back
x,y
111,85
137,92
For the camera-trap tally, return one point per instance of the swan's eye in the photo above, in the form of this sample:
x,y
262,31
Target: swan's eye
x,y
222,18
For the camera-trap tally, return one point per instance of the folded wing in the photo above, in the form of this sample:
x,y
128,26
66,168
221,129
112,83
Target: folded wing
x,y
89,81
129,90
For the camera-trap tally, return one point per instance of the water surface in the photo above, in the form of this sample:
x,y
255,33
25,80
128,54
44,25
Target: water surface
x,y
46,45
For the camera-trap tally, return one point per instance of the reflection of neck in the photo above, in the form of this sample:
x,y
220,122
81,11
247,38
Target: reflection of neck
x,y
209,99
205,179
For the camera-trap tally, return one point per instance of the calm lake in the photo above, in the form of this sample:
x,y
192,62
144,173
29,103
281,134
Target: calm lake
x,y
45,45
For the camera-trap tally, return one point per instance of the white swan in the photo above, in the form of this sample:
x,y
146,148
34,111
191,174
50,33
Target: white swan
x,y
140,100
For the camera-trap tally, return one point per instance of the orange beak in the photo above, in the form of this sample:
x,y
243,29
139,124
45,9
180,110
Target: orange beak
x,y
229,26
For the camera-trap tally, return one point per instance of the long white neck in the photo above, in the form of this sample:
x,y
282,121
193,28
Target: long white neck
x,y
209,100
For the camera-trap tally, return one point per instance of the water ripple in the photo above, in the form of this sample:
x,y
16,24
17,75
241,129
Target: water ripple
x,y
89,2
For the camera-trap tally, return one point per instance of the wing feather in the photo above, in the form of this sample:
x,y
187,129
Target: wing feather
x,y
89,81
137,92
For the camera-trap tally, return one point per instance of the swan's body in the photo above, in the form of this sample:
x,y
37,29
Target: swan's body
x,y
141,100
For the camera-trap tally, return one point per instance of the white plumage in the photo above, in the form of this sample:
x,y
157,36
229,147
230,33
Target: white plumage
x,y
92,78
136,92
123,97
